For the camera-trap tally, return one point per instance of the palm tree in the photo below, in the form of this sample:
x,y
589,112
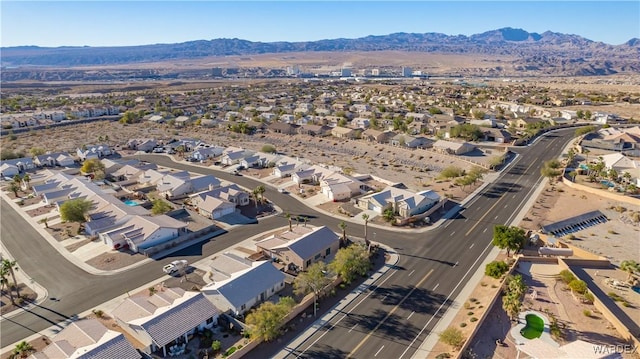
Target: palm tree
x,y
17,179
152,291
586,152
4,282
343,227
27,179
13,187
573,175
261,190
22,349
365,217
256,195
288,217
45,220
305,219
9,266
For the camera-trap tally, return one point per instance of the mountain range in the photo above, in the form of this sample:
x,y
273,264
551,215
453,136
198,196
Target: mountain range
x,y
549,52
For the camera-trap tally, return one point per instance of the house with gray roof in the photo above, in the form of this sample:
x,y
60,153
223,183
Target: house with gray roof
x,y
88,339
239,285
403,202
301,247
53,159
22,164
454,148
166,318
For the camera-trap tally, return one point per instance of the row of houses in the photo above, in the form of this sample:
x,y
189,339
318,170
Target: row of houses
x,y
114,222
164,320
29,119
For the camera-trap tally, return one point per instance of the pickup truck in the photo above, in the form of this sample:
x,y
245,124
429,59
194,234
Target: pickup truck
x,y
175,266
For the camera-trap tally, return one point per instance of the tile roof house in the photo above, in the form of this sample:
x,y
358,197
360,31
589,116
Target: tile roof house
x,y
88,339
93,151
230,193
180,184
314,130
404,202
311,174
22,164
286,169
338,186
142,144
215,208
239,284
234,156
403,140
372,135
343,132
301,247
62,159
284,128
8,170
143,232
204,153
167,317
456,148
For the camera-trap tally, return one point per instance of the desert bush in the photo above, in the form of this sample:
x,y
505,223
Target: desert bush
x,y
452,336
566,276
587,313
496,269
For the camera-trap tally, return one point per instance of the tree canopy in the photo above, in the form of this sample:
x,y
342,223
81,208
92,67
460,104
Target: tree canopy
x,y
160,207
351,261
266,321
511,238
93,165
75,210
313,280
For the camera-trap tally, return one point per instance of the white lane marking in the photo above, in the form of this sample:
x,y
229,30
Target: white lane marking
x,y
496,217
466,220
444,302
452,233
514,196
412,313
343,316
378,352
383,298
436,287
456,264
411,272
471,246
506,205
355,325
484,230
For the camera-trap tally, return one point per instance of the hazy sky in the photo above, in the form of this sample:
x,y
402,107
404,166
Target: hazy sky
x,y
112,23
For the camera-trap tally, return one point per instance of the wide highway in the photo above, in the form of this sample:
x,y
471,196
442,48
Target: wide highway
x,y
391,320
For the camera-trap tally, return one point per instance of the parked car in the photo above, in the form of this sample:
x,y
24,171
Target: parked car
x,y
175,266
282,190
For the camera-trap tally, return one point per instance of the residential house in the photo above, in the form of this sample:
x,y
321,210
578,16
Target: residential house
x,y
182,121
301,247
143,232
233,156
314,130
456,148
496,135
21,164
204,153
62,159
230,193
260,160
403,140
337,186
623,164
286,168
283,128
142,144
523,122
311,174
361,122
93,151
214,208
129,174
239,284
87,339
403,202
372,135
179,184
8,170
343,132
156,119
165,318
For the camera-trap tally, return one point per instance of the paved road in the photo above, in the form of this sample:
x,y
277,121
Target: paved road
x,y
394,317
427,263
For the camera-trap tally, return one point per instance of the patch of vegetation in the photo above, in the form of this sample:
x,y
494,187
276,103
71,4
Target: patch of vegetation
x,y
452,336
496,269
566,276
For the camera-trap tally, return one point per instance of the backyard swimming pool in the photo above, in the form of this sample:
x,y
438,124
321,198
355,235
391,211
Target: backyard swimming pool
x,y
131,202
608,183
534,327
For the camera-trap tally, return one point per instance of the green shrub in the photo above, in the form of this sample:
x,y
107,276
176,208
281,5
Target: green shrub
x,y
452,336
443,356
216,346
463,324
588,297
566,276
587,313
578,286
496,269
473,319
469,313
230,351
